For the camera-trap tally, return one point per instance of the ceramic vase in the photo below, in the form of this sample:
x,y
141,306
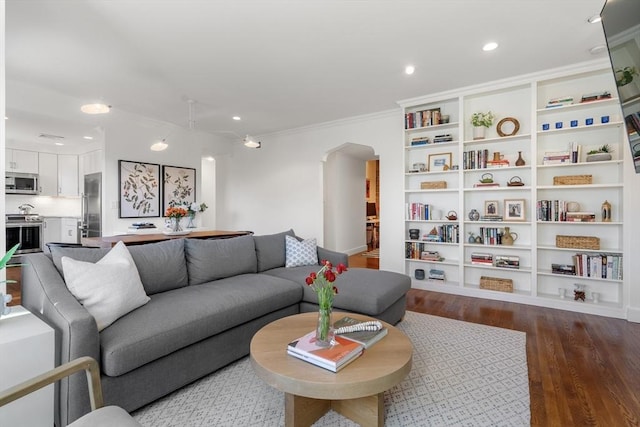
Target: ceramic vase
x,y
520,161
479,132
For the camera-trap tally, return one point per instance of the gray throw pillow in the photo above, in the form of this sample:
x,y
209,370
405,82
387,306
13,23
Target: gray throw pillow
x,y
271,250
214,259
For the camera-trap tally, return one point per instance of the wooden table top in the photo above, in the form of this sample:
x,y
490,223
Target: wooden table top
x,y
138,239
379,368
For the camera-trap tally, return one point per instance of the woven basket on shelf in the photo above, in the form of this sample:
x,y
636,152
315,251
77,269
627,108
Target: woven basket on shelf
x,y
429,185
578,242
573,179
496,284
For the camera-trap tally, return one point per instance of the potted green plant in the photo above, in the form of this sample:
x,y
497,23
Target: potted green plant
x,y
480,122
624,78
600,154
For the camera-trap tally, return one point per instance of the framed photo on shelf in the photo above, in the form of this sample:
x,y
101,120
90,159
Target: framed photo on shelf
x,y
179,186
439,162
138,189
491,208
514,210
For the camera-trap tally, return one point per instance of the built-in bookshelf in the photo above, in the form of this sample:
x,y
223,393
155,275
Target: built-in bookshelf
x,y
528,175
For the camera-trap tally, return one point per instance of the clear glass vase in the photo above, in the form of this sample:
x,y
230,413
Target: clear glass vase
x,y
325,333
175,225
192,217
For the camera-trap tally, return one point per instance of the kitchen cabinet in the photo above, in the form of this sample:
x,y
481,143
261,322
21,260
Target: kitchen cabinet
x,y
60,230
48,174
67,175
21,161
88,163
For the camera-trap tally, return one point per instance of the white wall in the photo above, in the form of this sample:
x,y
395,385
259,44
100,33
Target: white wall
x,y
344,199
279,186
128,137
3,239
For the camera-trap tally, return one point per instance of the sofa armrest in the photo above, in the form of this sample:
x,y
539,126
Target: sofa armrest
x,y
45,294
332,256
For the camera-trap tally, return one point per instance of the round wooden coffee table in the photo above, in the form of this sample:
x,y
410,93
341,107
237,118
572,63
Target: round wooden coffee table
x,y
357,391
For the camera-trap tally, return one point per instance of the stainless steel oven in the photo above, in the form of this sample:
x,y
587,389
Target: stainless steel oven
x,y
26,230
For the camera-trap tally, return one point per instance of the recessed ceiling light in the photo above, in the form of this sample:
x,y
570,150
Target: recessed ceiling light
x,y
236,118
88,137
159,146
597,49
95,108
490,46
409,69
594,19
59,143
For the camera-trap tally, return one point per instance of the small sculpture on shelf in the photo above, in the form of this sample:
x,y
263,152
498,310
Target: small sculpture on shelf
x,y
579,293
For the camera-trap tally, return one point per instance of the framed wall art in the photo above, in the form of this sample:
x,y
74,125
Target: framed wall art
x,y
439,162
491,208
179,186
138,189
514,210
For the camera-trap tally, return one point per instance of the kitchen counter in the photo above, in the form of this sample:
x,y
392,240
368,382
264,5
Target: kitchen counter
x,y
140,239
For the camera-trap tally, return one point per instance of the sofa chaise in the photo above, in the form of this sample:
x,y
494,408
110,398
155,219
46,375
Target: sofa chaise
x,y
206,299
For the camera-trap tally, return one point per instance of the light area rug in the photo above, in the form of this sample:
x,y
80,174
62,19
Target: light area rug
x,y
463,374
372,254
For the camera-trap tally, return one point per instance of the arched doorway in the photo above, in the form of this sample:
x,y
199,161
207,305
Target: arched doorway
x,y
345,197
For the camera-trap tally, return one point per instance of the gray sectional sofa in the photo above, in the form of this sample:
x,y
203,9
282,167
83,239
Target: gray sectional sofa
x,y
207,300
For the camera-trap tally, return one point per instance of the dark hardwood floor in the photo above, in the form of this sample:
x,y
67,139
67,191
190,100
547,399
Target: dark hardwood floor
x,y
584,370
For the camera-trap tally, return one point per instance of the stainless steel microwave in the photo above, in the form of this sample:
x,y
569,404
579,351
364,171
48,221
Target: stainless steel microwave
x,y
21,183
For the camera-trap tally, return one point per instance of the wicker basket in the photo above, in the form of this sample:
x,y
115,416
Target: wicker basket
x,y
573,179
578,242
430,185
496,284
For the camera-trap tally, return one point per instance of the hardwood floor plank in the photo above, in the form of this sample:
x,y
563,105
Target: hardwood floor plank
x,y
584,370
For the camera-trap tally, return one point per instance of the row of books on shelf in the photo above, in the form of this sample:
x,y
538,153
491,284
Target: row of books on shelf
x,y
446,233
348,346
424,140
422,118
568,100
491,260
416,211
491,235
599,266
572,155
417,250
556,211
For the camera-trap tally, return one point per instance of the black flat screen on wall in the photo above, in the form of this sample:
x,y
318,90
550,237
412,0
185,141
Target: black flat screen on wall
x,y
621,23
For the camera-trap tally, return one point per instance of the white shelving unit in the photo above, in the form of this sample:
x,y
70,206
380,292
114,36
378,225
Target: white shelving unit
x,y
524,101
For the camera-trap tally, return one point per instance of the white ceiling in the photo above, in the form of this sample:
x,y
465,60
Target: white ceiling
x,y
279,64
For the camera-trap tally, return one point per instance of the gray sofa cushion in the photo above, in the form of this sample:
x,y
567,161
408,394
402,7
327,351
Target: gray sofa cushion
x,y
271,250
209,260
162,266
181,317
359,289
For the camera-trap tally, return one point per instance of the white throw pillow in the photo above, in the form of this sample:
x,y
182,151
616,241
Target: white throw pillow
x,y
108,289
301,253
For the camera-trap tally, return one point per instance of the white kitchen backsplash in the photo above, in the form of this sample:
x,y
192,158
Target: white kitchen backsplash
x,y
45,206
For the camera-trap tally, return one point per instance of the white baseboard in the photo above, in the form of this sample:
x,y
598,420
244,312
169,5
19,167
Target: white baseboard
x,y
633,314
355,250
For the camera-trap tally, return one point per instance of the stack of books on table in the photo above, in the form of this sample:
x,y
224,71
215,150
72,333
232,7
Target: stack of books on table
x,y
478,258
365,338
332,358
559,157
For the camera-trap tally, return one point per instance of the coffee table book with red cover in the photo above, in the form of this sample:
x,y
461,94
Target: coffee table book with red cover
x,y
332,358
366,338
